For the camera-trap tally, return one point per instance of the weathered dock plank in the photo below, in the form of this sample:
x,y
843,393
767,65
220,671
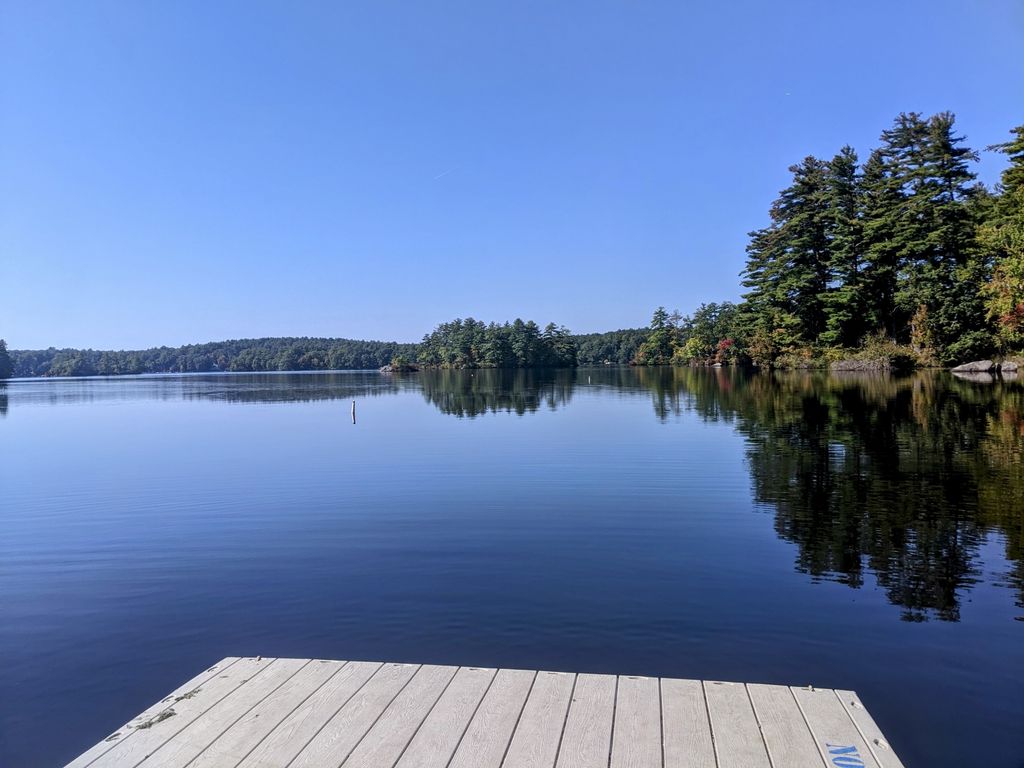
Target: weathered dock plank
x,y
536,738
300,727
835,734
187,708
237,740
165,704
385,742
490,730
588,728
186,745
636,736
336,740
686,730
789,742
738,740
303,713
436,740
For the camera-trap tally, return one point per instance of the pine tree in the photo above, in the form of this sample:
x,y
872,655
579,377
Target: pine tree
x,y
660,343
956,268
1013,177
904,220
803,211
919,187
845,300
788,262
1002,238
763,316
6,367
881,206
908,245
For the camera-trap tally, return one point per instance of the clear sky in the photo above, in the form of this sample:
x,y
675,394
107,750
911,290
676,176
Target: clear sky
x,y
175,172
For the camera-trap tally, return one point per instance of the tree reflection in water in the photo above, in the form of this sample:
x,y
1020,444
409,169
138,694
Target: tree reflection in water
x,y
900,477
473,393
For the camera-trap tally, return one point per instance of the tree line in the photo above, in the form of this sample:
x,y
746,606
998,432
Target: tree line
x,y
904,256
460,343
268,354
472,343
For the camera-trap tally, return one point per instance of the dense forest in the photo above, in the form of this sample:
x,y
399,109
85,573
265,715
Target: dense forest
x,y
612,347
472,343
459,343
903,258
282,354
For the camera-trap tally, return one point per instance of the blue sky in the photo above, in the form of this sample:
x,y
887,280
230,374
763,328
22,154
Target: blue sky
x,y
188,171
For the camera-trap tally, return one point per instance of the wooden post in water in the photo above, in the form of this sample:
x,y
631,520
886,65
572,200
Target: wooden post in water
x,y
353,411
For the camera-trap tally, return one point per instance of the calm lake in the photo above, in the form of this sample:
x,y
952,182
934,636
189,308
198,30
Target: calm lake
x,y
848,532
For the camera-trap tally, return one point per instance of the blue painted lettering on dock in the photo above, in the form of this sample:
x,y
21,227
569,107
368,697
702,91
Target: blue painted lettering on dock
x,y
844,756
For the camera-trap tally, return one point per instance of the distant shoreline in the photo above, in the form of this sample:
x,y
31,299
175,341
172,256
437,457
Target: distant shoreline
x,y
286,354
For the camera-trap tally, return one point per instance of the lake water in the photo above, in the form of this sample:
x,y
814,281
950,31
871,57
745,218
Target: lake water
x,y
850,532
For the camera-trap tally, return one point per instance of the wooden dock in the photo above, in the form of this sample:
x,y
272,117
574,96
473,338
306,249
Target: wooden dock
x,y
303,713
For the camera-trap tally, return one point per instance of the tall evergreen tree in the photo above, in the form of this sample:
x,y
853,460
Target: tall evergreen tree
x,y
845,301
905,219
920,187
881,207
787,268
765,315
1013,177
1002,237
802,210
957,324
891,246
6,367
660,343
560,347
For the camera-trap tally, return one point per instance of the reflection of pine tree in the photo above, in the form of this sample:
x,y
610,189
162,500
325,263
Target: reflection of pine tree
x,y
860,482
900,477
520,391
